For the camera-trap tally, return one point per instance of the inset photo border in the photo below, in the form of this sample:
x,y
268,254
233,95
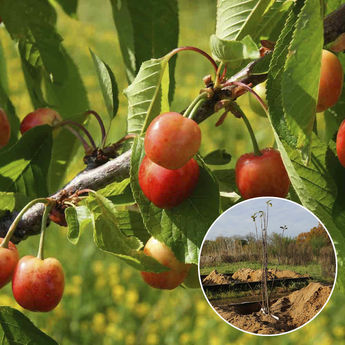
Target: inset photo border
x,y
267,266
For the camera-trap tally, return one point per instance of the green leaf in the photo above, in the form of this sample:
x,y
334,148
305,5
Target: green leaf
x,y
146,94
11,201
70,100
118,192
332,5
32,69
24,167
273,93
146,29
313,184
3,70
5,102
34,22
108,85
226,179
110,238
300,79
181,228
239,18
69,6
273,20
17,329
217,157
235,53
261,66
78,220
7,105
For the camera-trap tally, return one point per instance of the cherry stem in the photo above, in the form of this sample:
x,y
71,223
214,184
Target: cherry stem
x,y
13,226
208,57
87,147
238,83
101,124
252,135
87,133
218,78
196,107
47,209
195,102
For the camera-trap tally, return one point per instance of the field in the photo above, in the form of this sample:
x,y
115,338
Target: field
x,y
313,269
105,301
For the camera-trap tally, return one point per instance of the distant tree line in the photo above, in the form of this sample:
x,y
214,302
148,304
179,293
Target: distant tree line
x,y
309,247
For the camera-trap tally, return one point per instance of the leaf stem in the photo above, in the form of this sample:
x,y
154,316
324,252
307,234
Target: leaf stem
x,y
190,108
252,135
13,226
101,124
87,133
47,209
218,78
88,149
208,57
196,107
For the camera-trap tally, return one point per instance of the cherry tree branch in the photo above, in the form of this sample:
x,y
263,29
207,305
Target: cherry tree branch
x,y
118,168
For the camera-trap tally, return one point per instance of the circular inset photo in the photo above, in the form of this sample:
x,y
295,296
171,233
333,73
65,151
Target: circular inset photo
x,y
267,266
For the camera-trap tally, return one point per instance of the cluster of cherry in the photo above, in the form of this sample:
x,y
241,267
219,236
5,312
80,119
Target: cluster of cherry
x,y
167,176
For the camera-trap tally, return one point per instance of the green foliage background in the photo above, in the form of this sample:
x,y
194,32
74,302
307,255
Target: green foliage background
x,y
106,302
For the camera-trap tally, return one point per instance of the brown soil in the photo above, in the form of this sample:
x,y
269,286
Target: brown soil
x,y
216,278
249,275
293,311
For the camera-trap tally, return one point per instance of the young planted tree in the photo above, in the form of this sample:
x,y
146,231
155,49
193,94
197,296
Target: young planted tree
x,y
152,182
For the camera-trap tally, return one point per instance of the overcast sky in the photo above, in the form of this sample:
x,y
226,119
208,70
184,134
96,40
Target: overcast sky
x,y
237,220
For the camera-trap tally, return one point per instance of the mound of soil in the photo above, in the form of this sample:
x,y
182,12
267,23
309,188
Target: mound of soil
x,y
216,278
293,311
249,275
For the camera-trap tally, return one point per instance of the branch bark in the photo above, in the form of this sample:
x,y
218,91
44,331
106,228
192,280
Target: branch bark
x,y
118,168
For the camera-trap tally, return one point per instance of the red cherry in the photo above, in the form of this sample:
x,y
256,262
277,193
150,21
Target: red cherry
x,y
41,116
8,261
5,129
164,255
331,81
172,140
38,284
263,175
341,144
167,188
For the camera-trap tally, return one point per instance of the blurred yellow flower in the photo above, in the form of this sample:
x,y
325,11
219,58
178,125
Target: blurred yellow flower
x,y
118,292
142,309
98,323
130,339
339,331
98,267
152,339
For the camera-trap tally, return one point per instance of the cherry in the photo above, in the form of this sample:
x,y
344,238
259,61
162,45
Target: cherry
x,y
263,175
172,140
41,116
331,81
38,284
164,255
167,188
341,143
5,129
8,260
